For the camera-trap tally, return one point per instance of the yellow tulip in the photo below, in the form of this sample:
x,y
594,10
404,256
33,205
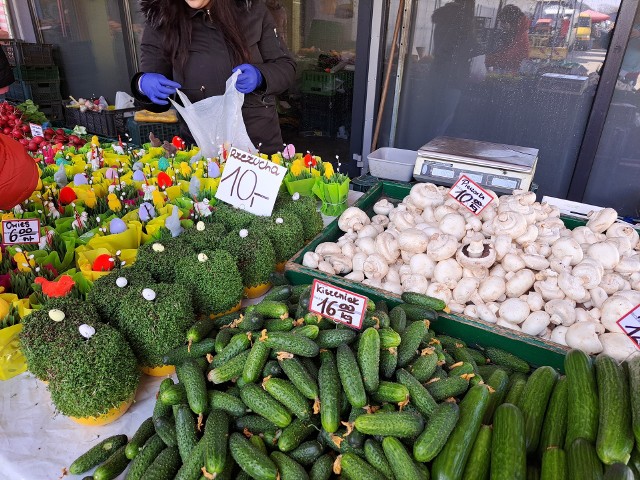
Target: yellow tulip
x,y
24,263
95,141
185,169
158,199
296,169
114,203
328,170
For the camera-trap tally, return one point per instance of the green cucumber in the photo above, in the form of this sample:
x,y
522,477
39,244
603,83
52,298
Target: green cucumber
x,y
272,309
388,362
517,381
251,459
479,461
113,467
410,341
477,356
390,392
554,428
374,454
309,331
582,460
279,324
230,370
223,337
398,319
216,432
165,466
227,403
418,395
279,293
265,405
97,454
615,436
193,379
355,468
424,366
173,395
294,434
193,350
322,468
508,444
292,343
368,356
288,395
145,432
271,369
254,424
396,424
400,460
334,337
450,343
500,357
350,377
498,382
554,464
432,440
300,377
633,368
226,320
166,429
389,338
200,330
444,388
250,321
582,407
288,468
149,451
186,433
256,361
417,313
423,300
191,466
307,453
618,471
460,368
238,344
533,404
451,461
329,389
382,318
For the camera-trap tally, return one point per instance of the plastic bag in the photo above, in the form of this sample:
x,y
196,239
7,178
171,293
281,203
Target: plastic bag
x,y
123,100
478,70
217,120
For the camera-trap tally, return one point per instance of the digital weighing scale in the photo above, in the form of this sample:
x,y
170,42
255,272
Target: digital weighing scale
x,y
501,168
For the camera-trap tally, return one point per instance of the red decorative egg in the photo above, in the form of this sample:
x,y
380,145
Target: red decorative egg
x,y
164,180
103,263
178,143
67,195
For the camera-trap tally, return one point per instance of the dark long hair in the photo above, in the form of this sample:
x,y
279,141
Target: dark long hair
x,y
173,19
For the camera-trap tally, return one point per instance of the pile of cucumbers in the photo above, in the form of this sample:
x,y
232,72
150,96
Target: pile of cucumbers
x,y
277,392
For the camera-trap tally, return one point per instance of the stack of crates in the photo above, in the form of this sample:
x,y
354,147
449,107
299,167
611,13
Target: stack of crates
x,y
326,102
37,78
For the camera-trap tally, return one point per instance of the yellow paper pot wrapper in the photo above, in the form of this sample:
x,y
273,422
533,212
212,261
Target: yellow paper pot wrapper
x,y
85,259
129,239
12,362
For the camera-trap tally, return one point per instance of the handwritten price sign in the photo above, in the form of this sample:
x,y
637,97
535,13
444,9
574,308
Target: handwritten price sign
x,y
630,324
339,305
250,183
470,194
20,231
36,130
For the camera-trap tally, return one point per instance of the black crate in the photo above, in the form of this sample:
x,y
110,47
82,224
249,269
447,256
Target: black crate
x,y
139,131
27,73
323,115
53,112
107,123
39,92
31,54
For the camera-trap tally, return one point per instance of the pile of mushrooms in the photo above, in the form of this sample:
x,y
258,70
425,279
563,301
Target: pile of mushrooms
x,y
515,265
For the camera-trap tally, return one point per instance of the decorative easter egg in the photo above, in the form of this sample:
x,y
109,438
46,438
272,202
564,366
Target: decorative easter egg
x,y
178,143
202,257
200,226
87,331
279,221
146,212
137,166
148,294
67,196
56,315
213,170
111,173
103,263
163,164
138,176
289,151
122,282
116,225
157,247
244,233
164,180
295,197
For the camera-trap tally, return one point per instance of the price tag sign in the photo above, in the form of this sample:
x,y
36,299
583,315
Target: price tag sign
x,y
250,183
339,305
630,324
471,195
20,231
36,130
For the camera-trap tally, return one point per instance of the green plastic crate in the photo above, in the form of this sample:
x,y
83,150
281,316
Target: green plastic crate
x,y
26,73
319,82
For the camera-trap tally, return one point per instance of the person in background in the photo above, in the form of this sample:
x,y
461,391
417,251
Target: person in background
x,y
511,42
6,73
18,173
630,67
195,46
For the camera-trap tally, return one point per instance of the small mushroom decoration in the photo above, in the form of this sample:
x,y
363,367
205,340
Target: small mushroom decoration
x,y
56,315
157,247
295,197
279,221
87,331
122,282
202,257
200,226
148,294
244,233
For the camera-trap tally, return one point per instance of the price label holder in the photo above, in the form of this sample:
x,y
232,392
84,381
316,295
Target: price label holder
x,y
250,183
20,231
341,306
630,325
36,130
471,195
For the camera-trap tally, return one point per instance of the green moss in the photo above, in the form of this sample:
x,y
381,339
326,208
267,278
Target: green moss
x,y
286,236
97,375
206,239
232,218
215,284
45,343
153,328
105,295
161,265
306,209
254,255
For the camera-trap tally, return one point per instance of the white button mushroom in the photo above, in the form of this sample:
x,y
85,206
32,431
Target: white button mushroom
x,y
148,294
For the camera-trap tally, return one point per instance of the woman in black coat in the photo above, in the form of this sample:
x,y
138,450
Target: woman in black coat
x,y
195,45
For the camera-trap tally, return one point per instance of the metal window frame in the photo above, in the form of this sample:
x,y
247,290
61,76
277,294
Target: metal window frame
x,y
602,101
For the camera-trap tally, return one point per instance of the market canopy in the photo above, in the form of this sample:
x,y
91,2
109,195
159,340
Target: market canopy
x,y
596,17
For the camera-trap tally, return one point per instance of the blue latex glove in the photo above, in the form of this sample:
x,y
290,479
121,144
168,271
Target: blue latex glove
x,y
157,87
249,79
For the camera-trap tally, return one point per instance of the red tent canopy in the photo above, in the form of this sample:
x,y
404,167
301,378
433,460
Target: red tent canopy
x,y
596,17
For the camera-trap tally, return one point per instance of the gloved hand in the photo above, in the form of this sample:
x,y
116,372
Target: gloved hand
x,y
157,87
249,79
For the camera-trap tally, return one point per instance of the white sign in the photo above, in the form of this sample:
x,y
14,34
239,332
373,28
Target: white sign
x,y
250,183
630,324
36,130
470,195
339,305
20,231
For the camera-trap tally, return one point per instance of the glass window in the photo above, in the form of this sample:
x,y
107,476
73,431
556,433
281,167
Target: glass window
x,y
613,181
518,72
